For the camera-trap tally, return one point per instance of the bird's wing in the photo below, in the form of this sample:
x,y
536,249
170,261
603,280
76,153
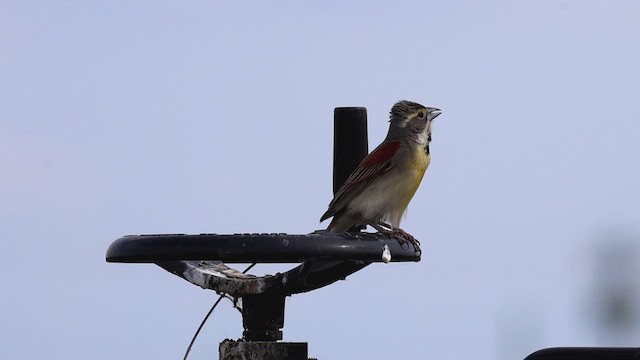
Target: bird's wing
x,y
372,166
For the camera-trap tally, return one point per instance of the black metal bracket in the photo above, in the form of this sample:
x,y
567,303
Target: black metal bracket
x,y
325,257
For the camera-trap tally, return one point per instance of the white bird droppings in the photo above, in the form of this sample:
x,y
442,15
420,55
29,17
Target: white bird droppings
x,y
386,254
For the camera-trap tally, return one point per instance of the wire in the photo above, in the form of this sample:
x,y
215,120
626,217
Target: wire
x,y
206,317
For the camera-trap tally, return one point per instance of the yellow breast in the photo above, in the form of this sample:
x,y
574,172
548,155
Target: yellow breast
x,y
419,164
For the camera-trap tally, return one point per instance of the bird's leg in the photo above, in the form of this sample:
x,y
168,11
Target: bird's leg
x,y
400,235
381,227
384,224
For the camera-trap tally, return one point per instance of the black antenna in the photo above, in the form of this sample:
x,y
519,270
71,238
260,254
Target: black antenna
x,y
350,144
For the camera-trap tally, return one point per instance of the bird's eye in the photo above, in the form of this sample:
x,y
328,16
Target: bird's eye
x,y
421,115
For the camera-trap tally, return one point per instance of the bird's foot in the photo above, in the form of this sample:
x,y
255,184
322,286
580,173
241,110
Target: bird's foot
x,y
404,237
400,235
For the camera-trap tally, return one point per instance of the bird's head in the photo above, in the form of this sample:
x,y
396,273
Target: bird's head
x,y
412,120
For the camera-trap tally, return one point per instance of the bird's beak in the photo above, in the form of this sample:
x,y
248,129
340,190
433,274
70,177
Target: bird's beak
x,y
433,113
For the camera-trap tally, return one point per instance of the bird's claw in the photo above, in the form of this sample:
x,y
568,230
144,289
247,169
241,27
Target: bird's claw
x,y
404,237
400,235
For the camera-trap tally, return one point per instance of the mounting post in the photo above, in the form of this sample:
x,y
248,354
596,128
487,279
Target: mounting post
x,y
263,317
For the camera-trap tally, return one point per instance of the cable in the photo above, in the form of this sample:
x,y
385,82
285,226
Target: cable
x,y
193,340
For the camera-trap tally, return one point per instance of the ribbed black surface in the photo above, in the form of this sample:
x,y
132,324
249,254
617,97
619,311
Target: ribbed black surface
x,y
259,248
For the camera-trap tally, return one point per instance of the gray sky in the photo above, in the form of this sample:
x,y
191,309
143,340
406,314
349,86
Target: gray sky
x,y
200,117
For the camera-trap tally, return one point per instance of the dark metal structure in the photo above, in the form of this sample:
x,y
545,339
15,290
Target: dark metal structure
x,y
325,258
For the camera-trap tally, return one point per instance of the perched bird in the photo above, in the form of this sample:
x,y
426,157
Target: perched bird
x,y
378,191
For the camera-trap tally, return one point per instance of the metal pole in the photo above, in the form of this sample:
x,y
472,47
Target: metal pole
x,y
350,144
